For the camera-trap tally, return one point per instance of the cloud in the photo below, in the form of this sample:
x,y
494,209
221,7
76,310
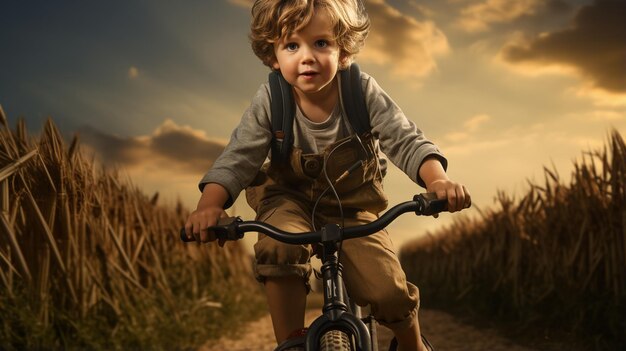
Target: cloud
x,y
169,146
483,135
410,47
479,16
133,72
473,123
471,126
594,47
600,97
170,161
598,116
421,9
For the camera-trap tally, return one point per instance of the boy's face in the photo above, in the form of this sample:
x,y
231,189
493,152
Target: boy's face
x,y
309,58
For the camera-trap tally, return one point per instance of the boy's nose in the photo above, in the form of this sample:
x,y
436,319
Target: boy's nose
x,y
307,55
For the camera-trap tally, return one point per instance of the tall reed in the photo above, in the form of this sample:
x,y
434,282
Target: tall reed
x,y
556,257
89,261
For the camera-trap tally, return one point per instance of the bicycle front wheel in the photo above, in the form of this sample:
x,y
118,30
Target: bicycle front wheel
x,y
335,340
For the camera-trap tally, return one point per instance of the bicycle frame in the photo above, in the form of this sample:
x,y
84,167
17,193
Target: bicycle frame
x,y
335,314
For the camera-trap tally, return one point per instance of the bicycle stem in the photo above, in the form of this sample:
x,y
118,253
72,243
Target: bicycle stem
x,y
334,301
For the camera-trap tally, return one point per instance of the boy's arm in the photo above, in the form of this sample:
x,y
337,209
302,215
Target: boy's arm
x,y
434,176
404,144
207,213
407,147
246,151
213,195
234,169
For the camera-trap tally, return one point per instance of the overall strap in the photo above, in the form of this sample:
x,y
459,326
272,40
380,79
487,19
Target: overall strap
x,y
283,112
283,109
353,99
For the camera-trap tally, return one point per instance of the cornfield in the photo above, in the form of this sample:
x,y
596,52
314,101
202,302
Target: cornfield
x,y
556,258
89,261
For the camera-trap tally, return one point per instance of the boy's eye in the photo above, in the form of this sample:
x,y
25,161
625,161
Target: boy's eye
x,y
321,43
291,47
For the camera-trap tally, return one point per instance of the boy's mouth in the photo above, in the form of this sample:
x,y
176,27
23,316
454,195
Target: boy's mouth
x,y
308,73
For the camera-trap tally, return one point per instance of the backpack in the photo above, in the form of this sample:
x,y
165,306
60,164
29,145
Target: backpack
x,y
283,109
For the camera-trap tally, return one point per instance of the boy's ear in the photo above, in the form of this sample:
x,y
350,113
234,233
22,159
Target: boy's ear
x,y
274,64
344,61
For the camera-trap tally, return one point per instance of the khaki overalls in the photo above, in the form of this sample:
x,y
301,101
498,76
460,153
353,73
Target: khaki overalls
x,y
284,197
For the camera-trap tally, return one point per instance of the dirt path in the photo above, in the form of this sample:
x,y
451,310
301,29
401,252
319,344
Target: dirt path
x,y
444,331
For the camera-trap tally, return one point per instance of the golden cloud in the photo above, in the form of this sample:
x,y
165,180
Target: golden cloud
x,y
598,116
471,126
592,47
408,46
479,17
169,146
474,123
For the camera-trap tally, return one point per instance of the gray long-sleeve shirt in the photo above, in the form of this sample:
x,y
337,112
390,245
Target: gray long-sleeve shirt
x,y
250,143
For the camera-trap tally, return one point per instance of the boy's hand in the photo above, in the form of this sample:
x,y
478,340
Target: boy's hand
x,y
202,218
457,195
434,176
210,208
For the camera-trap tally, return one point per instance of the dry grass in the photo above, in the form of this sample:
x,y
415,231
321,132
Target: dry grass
x,y
89,261
556,257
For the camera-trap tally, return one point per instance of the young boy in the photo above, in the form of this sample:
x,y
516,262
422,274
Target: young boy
x,y
308,41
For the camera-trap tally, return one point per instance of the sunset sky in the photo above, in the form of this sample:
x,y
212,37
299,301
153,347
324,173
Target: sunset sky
x,y
504,87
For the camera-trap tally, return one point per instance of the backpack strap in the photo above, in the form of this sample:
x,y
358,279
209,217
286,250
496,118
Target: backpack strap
x,y
283,109
353,99
283,112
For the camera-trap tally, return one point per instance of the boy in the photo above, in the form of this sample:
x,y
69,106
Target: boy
x,y
308,41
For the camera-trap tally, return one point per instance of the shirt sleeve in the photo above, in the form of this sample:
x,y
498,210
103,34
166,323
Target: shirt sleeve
x,y
246,151
403,143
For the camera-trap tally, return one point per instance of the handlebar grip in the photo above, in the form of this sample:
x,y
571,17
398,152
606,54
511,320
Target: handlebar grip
x,y
226,229
183,236
430,204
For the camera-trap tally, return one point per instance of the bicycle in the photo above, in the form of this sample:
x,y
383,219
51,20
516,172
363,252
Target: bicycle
x,y
341,326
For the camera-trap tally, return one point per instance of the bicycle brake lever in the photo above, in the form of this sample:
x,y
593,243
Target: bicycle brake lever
x,y
183,236
429,204
226,229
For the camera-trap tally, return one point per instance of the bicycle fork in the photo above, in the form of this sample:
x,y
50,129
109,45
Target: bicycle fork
x,y
335,311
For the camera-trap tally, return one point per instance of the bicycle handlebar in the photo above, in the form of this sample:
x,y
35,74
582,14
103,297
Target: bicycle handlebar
x,y
233,228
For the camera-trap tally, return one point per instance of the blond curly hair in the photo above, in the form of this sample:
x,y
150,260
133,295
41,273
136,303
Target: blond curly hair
x,y
273,20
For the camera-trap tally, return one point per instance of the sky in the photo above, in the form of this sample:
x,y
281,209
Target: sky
x,y
154,88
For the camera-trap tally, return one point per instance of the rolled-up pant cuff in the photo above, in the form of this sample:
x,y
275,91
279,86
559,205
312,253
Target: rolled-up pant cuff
x,y
264,271
402,324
